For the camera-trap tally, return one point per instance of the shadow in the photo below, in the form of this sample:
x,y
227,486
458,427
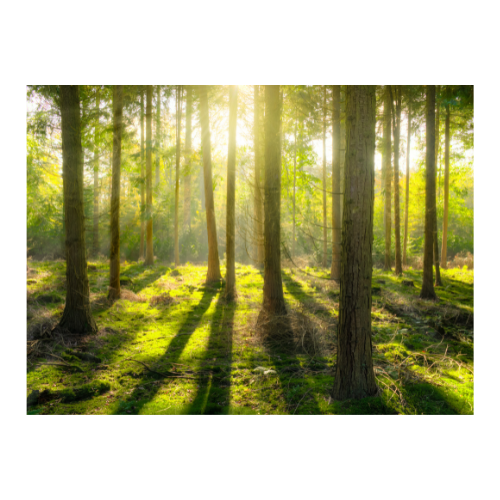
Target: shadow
x,y
429,400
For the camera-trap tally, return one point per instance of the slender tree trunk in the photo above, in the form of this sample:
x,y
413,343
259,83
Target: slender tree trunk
x,y
213,271
444,246
427,291
77,315
187,159
231,181
178,117
258,198
354,377
387,167
149,181
274,301
336,187
294,181
143,180
407,193
325,237
157,134
397,222
114,259
95,239
435,237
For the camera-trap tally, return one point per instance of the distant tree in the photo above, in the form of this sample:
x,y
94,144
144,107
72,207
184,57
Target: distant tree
x,y
143,179
436,156
444,245
178,119
354,378
114,265
325,238
407,191
258,155
294,182
213,271
187,160
77,315
149,180
387,175
336,187
95,235
158,135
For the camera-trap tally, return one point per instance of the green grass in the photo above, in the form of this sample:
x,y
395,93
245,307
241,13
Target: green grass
x,y
423,351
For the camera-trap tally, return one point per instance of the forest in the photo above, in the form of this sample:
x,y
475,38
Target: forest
x,y
250,249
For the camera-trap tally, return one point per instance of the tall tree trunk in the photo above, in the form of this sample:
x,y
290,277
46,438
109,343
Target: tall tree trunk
x,y
157,135
213,271
187,159
231,181
77,315
258,198
294,182
325,237
387,174
178,118
444,246
354,377
407,192
274,301
427,291
435,237
143,179
95,238
149,178
397,221
336,187
114,259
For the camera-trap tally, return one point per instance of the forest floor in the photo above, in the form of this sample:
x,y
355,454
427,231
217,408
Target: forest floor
x,y
172,345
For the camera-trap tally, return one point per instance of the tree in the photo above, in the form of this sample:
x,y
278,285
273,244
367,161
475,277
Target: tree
x,y
325,238
444,245
114,264
187,160
397,224
387,175
435,236
407,191
149,181
427,291
354,377
231,174
77,315
143,180
294,182
258,198
95,235
213,271
178,118
336,188
157,135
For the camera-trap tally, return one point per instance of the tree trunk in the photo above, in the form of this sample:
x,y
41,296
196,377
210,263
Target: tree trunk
x,y
178,118
95,238
187,159
435,237
387,174
444,246
143,180
231,181
336,187
77,315
274,301
157,134
149,181
294,181
407,193
397,222
427,291
114,260
354,377
213,271
258,198
325,237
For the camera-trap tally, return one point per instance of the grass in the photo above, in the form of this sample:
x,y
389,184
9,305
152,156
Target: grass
x,y
170,323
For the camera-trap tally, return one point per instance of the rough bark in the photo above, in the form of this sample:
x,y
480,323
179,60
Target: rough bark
x,y
354,378
336,187
325,237
231,182
407,190
114,258
178,118
187,160
77,315
398,268
435,231
444,245
427,291
149,178
258,195
213,271
95,232
387,174
143,180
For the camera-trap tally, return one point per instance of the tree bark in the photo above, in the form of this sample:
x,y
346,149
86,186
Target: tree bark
x,y
95,236
77,315
258,198
187,159
231,181
213,271
336,187
157,135
397,221
354,377
407,192
325,237
149,181
387,174
444,246
114,259
143,179
294,182
178,118
427,291
435,237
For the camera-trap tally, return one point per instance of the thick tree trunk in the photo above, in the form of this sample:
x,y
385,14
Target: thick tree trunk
x,y
178,118
258,197
427,291
77,315
213,271
187,159
149,178
274,301
231,181
95,236
444,246
336,187
114,259
387,174
397,221
435,237
407,191
354,377
143,179
325,237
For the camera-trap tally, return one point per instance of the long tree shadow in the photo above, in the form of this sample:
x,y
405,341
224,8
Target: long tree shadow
x,y
213,396
172,354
